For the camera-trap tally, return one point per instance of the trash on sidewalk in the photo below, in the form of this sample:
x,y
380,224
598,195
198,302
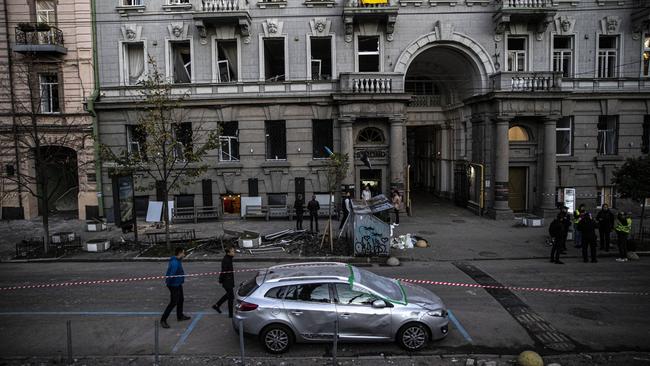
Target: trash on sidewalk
x,y
97,245
249,239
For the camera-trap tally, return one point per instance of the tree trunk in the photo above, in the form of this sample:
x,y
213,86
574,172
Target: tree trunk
x,y
46,221
166,218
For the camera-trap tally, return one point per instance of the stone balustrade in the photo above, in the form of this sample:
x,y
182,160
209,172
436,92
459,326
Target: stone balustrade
x,y
527,81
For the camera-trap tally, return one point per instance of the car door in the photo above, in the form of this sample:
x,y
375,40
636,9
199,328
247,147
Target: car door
x,y
358,319
311,310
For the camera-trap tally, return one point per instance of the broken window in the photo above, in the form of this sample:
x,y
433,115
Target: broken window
x,y
564,136
229,140
133,62
49,87
183,137
322,136
516,53
227,61
181,58
276,140
607,56
368,53
607,135
321,58
136,139
274,59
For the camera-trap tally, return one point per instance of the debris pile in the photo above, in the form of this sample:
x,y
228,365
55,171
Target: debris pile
x,y
408,241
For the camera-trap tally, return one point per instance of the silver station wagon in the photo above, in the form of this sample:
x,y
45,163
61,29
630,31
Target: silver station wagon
x,y
303,302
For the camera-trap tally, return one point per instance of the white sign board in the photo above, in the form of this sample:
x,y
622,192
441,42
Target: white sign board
x,y
154,211
570,199
249,201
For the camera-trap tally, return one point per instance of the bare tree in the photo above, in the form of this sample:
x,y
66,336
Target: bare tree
x,y
171,149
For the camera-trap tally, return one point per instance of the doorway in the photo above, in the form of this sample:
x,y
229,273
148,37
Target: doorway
x,y
371,177
517,184
231,205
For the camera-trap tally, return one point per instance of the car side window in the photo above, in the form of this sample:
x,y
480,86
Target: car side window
x,y
347,296
311,292
276,292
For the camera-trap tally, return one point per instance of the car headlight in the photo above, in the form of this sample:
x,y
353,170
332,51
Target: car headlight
x,y
440,313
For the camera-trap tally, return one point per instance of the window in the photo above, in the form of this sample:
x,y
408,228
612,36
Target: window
x,y
312,292
276,292
322,136
177,2
132,2
136,138
277,199
49,85
227,61
46,12
133,63
518,134
564,136
368,54
605,195
184,200
371,135
141,204
276,140
183,136
563,55
645,57
607,56
607,135
229,139
645,138
181,62
347,296
274,59
321,58
516,54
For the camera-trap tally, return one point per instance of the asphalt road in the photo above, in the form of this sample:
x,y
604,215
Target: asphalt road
x,y
118,319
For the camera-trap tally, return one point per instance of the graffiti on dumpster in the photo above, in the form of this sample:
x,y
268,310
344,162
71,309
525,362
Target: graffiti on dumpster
x,y
370,242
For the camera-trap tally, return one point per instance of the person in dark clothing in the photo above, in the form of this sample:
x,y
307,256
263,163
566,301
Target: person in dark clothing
x,y
299,207
566,225
175,286
623,229
587,227
345,206
227,280
313,206
605,219
556,230
577,217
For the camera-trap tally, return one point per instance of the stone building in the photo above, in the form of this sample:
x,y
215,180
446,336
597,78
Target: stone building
x,y
499,105
46,76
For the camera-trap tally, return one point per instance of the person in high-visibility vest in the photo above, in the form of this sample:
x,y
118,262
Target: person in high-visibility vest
x,y
577,217
623,229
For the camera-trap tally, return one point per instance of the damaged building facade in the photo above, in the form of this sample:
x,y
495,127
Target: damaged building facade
x,y
499,105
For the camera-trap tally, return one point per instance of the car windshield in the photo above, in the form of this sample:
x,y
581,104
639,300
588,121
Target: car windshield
x,y
388,288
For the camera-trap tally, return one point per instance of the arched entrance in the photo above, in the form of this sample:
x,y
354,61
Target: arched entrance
x,y
61,177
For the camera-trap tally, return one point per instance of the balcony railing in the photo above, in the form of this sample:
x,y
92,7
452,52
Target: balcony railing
x,y
425,101
527,81
371,83
222,5
361,4
527,4
39,38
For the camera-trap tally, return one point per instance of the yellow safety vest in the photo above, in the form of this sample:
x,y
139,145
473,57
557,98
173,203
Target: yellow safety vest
x,y
624,228
576,217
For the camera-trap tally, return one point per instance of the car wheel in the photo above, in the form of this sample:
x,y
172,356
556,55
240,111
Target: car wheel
x,y
413,337
276,338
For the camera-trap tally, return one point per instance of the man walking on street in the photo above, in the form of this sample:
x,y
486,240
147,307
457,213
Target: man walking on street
x,y
227,280
346,206
623,229
605,219
175,286
313,206
577,217
299,207
587,227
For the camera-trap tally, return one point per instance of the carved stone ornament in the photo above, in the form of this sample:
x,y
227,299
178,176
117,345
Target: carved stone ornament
x,y
202,31
320,27
178,30
272,27
564,25
131,32
610,24
349,28
442,30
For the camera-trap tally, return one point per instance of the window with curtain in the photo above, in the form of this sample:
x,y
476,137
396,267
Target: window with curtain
x,y
133,63
563,55
46,11
276,140
607,135
564,136
516,54
49,88
607,56
181,58
227,60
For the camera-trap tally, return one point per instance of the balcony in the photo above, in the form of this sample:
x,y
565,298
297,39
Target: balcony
x,y
361,10
539,13
546,81
371,83
426,101
214,12
39,39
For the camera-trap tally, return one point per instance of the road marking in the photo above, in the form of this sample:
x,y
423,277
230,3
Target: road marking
x,y
90,313
187,332
458,326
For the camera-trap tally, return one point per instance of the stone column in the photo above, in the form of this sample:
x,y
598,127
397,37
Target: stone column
x,y
397,167
550,167
347,147
500,208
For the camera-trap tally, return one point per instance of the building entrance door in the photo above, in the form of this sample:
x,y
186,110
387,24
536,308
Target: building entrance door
x,y
370,177
517,189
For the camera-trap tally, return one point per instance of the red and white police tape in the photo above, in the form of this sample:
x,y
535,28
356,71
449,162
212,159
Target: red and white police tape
x,y
215,273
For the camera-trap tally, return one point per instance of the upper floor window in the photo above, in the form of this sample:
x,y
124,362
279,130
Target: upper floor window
x,y
322,137
321,58
274,60
563,55
371,135
518,134
49,88
607,135
132,2
181,61
607,56
183,136
276,140
516,54
133,63
645,57
46,12
564,136
136,139
227,60
177,2
229,140
368,54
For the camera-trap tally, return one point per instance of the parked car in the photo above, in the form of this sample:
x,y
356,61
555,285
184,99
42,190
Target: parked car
x,y
305,302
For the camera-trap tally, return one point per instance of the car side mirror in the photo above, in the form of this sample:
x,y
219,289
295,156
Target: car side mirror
x,y
379,304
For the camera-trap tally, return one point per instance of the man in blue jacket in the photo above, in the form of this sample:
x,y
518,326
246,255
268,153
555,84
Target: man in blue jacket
x,y
175,286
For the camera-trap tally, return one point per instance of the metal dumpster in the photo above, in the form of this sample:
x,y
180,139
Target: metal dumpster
x,y
369,234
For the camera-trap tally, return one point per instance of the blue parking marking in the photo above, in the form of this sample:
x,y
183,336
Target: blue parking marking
x,y
187,332
458,326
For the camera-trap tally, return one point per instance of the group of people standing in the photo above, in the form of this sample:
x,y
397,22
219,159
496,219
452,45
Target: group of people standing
x,y
584,229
